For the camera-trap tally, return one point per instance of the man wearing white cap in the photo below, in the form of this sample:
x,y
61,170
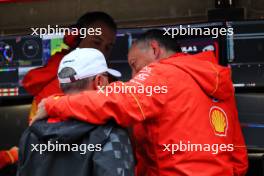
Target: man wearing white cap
x,y
108,150
85,63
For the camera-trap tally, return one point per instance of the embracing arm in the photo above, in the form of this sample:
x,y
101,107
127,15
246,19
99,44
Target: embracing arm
x,y
97,108
126,108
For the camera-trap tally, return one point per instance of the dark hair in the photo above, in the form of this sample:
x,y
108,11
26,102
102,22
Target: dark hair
x,y
78,85
92,17
164,40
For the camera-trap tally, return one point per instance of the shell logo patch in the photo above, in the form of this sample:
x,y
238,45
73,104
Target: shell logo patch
x,y
218,120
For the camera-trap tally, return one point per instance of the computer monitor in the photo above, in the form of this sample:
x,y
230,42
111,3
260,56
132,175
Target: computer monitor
x,y
245,51
251,116
20,54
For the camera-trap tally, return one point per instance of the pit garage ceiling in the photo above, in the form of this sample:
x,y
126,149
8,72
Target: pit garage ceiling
x,y
20,16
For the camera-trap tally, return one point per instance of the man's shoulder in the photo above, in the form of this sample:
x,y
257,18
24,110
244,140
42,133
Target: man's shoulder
x,y
112,129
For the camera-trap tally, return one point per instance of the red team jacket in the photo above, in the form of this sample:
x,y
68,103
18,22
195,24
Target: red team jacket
x,y
198,110
189,127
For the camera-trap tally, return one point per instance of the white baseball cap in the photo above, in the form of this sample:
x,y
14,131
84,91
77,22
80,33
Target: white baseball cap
x,y
86,62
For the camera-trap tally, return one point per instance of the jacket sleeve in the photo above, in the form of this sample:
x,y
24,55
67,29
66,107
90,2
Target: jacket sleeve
x,y
126,108
4,159
116,156
239,155
8,157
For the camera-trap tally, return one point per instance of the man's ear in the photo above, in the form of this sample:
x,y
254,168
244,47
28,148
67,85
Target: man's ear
x,y
98,82
156,48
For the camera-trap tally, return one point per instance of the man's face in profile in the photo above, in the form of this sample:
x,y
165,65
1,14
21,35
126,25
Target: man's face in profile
x,y
139,57
103,42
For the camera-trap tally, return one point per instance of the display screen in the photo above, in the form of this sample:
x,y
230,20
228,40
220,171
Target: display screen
x,y
245,54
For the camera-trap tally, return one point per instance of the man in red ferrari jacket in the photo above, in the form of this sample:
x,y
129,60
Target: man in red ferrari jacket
x,y
42,82
189,127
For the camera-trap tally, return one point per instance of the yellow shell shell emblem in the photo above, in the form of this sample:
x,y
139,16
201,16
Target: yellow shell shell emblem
x,y
218,121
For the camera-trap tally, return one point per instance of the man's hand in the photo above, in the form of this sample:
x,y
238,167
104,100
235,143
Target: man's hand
x,y
41,113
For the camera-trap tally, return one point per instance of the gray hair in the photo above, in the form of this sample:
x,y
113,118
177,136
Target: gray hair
x,y
78,85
